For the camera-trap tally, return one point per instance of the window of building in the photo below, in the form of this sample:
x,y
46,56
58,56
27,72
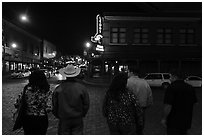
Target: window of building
x,y
187,36
12,64
164,36
118,35
141,36
19,66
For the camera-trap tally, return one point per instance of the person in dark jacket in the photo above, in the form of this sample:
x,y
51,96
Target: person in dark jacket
x,y
121,109
179,100
37,96
70,102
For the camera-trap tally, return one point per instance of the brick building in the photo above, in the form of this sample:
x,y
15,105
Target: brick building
x,y
153,42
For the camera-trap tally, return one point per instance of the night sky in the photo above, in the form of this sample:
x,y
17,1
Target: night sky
x,y
69,25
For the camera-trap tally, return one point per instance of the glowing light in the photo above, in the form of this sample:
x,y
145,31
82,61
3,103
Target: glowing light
x,y
99,48
88,45
13,45
24,18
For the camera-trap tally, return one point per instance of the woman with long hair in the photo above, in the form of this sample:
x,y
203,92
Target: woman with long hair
x,y
121,108
36,95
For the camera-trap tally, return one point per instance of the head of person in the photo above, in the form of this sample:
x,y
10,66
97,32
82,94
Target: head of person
x,y
118,85
38,79
133,70
176,75
70,71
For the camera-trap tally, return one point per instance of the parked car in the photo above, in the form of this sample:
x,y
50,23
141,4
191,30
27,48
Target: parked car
x,y
194,81
158,79
20,74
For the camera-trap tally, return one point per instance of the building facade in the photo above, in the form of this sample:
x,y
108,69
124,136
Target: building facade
x,y
152,43
20,49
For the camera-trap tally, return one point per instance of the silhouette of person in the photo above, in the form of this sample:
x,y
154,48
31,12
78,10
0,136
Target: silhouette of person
x,y
121,108
142,91
70,102
179,100
37,104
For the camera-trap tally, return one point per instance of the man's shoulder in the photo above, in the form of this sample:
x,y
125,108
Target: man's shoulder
x,y
57,88
133,78
79,84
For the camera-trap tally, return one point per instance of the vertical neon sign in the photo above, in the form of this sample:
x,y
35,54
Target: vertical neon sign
x,y
99,26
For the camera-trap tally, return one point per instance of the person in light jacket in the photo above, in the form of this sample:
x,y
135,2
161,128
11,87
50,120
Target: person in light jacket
x,y
70,102
142,91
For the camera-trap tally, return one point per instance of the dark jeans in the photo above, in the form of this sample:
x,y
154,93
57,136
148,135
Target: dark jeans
x,y
139,129
176,131
35,125
72,126
122,130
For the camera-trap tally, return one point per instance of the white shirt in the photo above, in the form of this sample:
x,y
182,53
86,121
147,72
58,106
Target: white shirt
x,y
141,89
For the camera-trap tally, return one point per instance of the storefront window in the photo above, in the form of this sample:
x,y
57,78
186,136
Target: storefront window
x,y
19,66
24,66
113,70
121,68
7,66
12,66
106,68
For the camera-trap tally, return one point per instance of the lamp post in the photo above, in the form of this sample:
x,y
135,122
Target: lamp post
x,y
88,47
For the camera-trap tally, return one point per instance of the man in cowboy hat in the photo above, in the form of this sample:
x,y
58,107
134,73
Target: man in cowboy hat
x,y
70,102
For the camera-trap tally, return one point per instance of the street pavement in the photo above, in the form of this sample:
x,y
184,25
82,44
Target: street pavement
x,y
94,122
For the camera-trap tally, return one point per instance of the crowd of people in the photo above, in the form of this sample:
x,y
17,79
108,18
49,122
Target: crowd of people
x,y
124,104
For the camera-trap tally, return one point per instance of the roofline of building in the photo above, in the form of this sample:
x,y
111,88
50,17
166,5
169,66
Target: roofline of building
x,y
194,13
136,18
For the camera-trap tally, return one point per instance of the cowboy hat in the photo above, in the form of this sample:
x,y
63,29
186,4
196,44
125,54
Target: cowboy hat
x,y
70,71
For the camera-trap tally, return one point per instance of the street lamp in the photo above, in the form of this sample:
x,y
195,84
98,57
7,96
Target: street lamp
x,y
88,45
13,45
24,18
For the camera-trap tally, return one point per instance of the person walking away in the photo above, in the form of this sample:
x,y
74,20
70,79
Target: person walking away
x,y
121,108
179,100
70,102
142,91
37,95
